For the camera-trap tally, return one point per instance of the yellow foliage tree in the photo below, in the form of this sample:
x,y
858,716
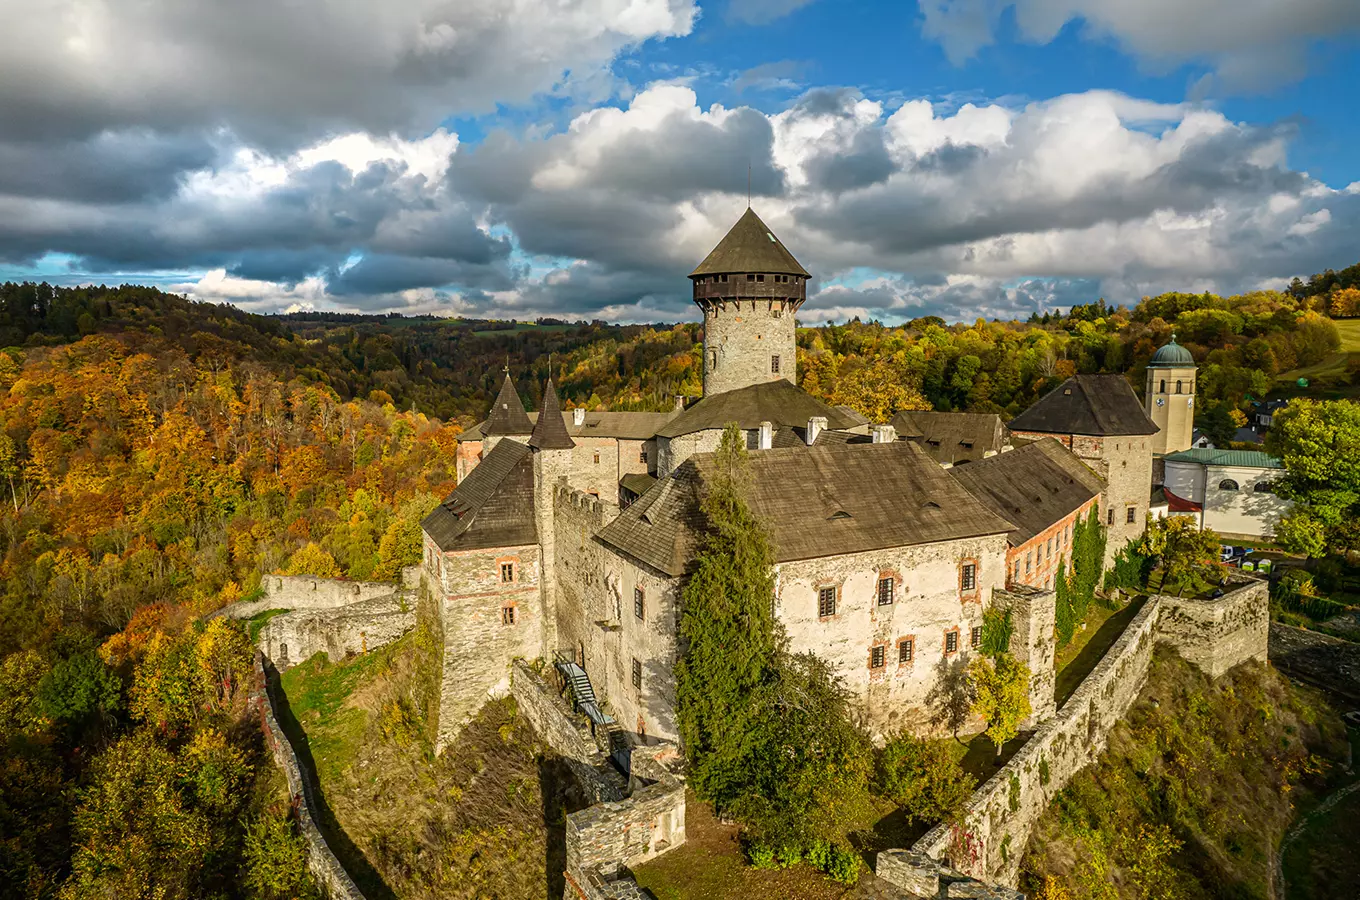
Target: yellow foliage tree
x,y
312,560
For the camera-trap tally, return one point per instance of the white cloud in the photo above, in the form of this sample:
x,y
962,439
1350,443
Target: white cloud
x,y
1250,43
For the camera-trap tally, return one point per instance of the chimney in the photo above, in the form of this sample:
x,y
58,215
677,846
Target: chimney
x,y
883,434
816,425
578,416
680,402
766,436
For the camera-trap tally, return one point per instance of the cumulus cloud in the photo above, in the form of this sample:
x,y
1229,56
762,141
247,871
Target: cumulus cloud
x,y
280,74
1251,45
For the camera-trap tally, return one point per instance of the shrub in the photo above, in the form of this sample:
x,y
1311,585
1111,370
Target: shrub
x,y
923,778
275,865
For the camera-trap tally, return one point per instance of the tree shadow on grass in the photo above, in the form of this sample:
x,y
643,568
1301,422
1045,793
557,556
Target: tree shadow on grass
x,y
556,787
1090,656
345,850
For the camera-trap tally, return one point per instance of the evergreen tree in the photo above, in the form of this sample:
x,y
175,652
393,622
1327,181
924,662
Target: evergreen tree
x,y
727,623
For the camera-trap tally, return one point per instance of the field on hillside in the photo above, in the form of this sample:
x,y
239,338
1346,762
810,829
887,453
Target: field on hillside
x,y
1335,363
484,820
1196,789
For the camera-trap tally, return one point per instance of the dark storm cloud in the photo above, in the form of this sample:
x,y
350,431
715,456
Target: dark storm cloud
x,y
378,274
106,168
864,163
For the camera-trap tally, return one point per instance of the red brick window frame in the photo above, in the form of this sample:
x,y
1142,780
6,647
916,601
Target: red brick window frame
x,y
951,641
878,657
826,612
512,572
509,612
970,591
890,581
906,650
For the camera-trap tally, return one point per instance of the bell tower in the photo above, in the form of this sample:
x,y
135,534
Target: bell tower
x,y
1170,397
749,288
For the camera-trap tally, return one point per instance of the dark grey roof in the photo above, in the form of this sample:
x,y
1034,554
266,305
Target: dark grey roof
x,y
853,415
492,507
818,501
952,437
550,431
638,482
507,413
623,426
796,436
777,402
1087,404
749,247
1034,487
1171,355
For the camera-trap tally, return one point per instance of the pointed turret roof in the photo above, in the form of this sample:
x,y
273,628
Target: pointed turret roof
x,y
507,414
749,247
550,432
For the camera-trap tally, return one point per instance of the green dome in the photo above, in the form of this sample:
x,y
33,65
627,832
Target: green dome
x,y
1173,355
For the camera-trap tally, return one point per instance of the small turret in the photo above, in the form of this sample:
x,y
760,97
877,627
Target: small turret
x,y
550,432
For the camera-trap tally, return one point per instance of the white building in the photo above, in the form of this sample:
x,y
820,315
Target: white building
x,y
1229,491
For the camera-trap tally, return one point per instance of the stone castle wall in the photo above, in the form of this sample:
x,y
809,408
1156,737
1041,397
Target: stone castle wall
x,y
1215,635
357,628
740,337
325,868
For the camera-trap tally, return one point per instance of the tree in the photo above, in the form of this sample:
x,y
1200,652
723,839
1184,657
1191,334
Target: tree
x,y
923,777
727,623
1217,422
312,560
1319,444
1000,695
78,688
1181,548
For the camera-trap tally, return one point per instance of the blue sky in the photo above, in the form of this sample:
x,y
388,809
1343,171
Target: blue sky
x,y
527,157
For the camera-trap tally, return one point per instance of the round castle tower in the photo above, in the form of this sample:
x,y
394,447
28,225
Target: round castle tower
x,y
1170,397
749,288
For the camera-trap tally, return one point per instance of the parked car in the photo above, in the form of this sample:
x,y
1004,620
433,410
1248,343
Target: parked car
x,y
1228,553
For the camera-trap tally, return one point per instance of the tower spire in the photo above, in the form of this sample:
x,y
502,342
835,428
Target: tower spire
x,y
550,432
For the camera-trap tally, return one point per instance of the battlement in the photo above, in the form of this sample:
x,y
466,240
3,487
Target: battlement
x,y
582,506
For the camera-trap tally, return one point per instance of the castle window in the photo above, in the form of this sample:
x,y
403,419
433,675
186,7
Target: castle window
x,y
1227,484
760,278
1017,570
507,615
1163,390
637,673
1264,487
968,577
638,602
826,603
774,364
597,457
777,313
975,637
1178,387
1109,517
1029,563
951,641
905,648
713,359
885,591
642,455
877,656
1131,515
722,278
507,573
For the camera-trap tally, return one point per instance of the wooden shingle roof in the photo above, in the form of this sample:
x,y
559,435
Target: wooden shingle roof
x,y
1087,404
819,501
624,426
749,247
507,413
777,402
492,507
550,431
952,437
1033,487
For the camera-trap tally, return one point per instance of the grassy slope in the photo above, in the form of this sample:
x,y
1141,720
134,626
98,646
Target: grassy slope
x,y
1334,363
1194,792
469,824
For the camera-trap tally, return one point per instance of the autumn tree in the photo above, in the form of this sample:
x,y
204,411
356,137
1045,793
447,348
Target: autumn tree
x,y
1000,695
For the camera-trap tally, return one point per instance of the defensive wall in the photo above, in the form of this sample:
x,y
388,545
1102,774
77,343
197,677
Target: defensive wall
x,y
623,830
324,866
1212,634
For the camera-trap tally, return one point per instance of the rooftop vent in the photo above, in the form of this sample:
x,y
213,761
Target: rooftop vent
x,y
839,514
930,504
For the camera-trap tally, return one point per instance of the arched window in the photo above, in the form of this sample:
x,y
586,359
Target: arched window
x,y
1163,390
1227,484
1178,387
713,359
1264,487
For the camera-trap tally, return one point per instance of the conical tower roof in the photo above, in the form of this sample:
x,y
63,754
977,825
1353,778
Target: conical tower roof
x,y
550,432
507,414
749,247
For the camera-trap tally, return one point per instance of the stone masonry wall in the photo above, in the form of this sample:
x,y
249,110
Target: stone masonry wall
x,y
604,839
1033,614
330,875
1001,813
551,716
1215,635
357,628
740,337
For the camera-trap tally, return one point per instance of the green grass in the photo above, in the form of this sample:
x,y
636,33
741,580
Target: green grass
x,y
257,622
317,691
1334,364
1077,660
1321,862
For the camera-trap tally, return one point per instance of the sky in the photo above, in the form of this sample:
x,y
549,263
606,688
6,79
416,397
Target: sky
x,y
577,158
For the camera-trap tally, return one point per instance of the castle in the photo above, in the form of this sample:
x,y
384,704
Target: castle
x,y
571,533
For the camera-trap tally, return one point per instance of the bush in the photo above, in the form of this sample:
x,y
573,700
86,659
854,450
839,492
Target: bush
x,y
77,688
275,866
1130,571
923,778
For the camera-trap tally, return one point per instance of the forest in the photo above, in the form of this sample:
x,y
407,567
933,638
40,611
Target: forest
x,y
159,455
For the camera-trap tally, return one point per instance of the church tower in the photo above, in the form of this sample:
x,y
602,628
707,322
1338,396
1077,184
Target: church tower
x,y
1170,397
749,288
